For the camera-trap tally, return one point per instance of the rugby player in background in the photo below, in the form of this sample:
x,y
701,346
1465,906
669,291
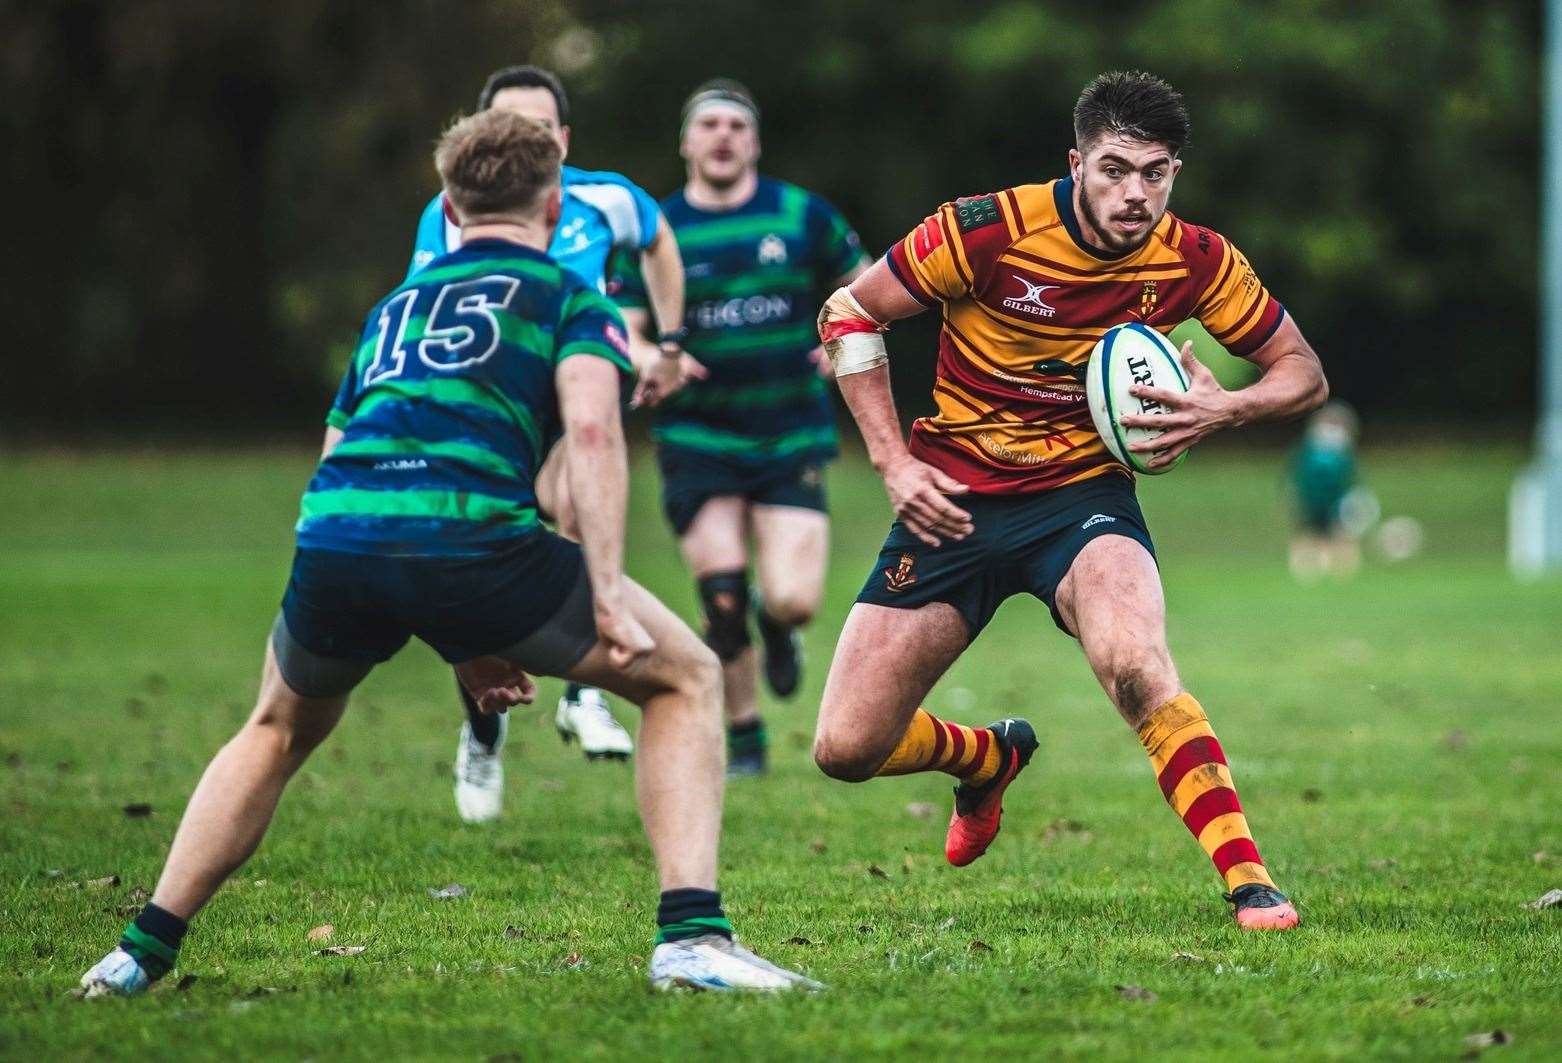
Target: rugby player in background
x,y
742,447
601,213
1009,488
422,520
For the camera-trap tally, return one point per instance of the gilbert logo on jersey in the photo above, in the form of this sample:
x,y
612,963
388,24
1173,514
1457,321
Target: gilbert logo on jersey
x,y
1030,302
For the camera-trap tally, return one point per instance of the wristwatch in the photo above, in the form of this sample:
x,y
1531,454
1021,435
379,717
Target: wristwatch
x,y
672,342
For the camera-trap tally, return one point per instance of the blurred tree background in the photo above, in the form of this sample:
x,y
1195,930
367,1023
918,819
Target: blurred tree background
x,y
206,198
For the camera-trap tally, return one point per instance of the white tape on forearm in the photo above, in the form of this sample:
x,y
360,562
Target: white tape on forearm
x,y
857,352
853,352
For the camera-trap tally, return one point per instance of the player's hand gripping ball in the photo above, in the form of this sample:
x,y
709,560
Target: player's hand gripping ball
x,y
1131,354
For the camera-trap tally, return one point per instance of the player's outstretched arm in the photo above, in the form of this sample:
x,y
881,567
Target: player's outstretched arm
x,y
850,325
1292,384
662,266
598,471
663,367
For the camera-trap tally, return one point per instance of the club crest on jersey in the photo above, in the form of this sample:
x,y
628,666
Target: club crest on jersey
x,y
772,250
1029,301
1147,300
900,577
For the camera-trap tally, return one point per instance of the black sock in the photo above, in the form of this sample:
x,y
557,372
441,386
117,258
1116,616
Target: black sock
x,y
153,939
747,737
572,691
690,913
485,726
772,627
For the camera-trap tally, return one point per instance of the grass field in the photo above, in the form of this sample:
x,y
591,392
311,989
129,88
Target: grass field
x,y
1395,740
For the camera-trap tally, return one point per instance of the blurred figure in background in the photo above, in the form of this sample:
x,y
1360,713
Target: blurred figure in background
x,y
1331,511
600,213
742,448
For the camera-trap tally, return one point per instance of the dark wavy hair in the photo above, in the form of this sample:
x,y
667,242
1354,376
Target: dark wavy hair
x,y
1131,103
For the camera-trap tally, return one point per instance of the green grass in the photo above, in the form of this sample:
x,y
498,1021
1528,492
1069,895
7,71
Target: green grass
x,y
1395,741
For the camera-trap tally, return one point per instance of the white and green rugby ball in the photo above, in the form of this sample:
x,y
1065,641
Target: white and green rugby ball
x,y
1130,354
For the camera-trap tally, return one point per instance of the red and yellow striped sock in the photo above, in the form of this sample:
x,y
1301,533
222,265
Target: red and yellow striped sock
x,y
968,753
1191,769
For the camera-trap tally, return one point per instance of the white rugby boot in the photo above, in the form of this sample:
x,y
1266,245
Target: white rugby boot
x,y
117,974
587,719
719,963
479,775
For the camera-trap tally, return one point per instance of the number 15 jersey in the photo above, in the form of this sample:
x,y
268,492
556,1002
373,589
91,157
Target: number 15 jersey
x,y
1025,300
448,405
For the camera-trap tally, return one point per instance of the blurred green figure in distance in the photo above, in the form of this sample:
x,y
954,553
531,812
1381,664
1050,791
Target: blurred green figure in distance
x,y
1331,510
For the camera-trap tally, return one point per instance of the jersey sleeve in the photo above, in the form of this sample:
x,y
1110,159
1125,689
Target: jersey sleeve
x,y
1236,308
649,213
346,398
589,323
429,243
834,246
348,393
626,281
629,211
948,255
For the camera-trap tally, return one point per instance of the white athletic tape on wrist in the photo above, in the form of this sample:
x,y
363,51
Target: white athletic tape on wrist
x,y
852,338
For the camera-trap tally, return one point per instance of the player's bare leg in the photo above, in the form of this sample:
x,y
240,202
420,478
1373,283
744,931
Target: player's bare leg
x,y
886,661
791,546
871,722
222,825
1112,599
678,773
679,780
232,806
715,548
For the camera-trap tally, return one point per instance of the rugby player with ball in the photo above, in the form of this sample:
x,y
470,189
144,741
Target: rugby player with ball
x,y
1010,487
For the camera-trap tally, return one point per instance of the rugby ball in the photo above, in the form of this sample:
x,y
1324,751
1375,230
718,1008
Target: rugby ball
x,y
1129,354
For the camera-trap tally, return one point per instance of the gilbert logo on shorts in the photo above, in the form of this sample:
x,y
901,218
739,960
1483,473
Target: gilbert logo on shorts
x,y
900,577
1099,518
1030,301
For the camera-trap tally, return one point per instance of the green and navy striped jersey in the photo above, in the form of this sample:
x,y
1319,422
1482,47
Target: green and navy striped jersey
x,y
755,279
449,405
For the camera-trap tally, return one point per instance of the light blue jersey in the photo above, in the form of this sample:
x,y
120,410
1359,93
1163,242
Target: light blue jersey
x,y
600,212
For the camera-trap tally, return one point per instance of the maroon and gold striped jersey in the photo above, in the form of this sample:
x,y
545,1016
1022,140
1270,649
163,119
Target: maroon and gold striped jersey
x,y
1025,299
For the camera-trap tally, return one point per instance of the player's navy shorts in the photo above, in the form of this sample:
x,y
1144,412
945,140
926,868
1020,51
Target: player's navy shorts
x,y
689,480
1020,543
343,613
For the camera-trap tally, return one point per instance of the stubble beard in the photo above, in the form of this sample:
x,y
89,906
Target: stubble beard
x,y
1110,240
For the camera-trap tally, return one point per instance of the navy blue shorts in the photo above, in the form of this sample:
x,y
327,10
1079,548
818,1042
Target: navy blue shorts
x,y
364,607
690,480
1020,543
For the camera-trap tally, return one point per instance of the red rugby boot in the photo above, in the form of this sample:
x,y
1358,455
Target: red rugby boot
x,y
1261,907
978,809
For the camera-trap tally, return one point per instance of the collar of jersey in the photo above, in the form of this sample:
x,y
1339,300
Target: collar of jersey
x,y
497,242
759,190
1063,199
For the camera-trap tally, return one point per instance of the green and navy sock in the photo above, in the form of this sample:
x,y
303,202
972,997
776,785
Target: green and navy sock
x,y
690,913
153,940
747,739
572,691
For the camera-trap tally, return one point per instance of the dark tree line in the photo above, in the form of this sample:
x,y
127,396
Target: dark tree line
x,y
205,198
